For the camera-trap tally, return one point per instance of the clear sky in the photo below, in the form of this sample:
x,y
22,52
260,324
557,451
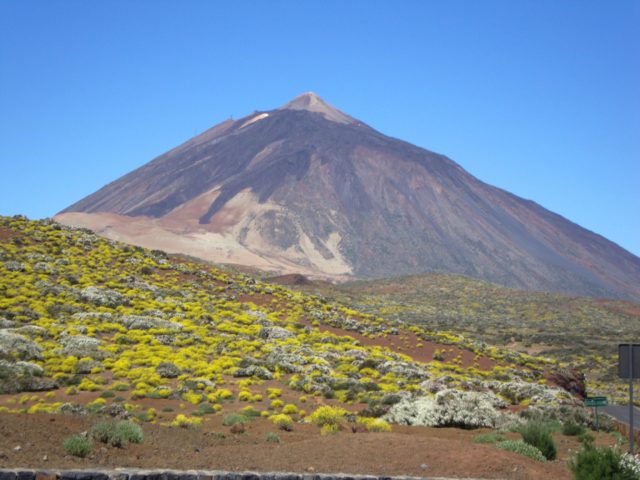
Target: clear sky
x,y
539,97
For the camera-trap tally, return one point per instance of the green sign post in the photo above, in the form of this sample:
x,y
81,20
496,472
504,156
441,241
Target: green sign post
x,y
596,402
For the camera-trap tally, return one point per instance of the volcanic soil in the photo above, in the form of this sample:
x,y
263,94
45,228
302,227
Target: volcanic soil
x,y
35,441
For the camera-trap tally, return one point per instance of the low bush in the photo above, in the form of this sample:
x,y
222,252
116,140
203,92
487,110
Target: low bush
x,y
117,434
183,421
249,412
273,438
327,415
277,403
538,435
282,421
77,445
491,437
130,431
518,446
631,462
572,429
586,439
330,429
105,432
593,463
290,409
206,409
233,419
374,424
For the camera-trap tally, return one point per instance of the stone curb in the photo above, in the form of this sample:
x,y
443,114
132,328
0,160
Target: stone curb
x,y
139,474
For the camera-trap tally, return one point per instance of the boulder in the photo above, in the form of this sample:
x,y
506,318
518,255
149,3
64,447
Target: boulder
x,y
572,380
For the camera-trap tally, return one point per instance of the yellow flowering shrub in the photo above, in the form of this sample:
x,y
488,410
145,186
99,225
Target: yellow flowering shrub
x,y
184,421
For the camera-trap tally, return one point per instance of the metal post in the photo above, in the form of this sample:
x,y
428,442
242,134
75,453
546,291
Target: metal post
x,y
597,421
631,432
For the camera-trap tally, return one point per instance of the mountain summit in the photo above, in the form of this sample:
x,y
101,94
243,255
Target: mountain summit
x,y
312,103
307,188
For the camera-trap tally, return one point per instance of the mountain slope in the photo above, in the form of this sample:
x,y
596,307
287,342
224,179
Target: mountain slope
x,y
579,331
307,188
209,363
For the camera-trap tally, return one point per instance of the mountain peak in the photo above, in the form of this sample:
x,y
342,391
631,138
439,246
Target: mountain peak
x,y
314,191
311,102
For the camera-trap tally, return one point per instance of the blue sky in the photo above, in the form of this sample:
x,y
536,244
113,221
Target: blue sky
x,y
541,98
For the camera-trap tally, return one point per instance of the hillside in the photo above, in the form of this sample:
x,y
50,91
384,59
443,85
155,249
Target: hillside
x,y
579,331
306,188
89,326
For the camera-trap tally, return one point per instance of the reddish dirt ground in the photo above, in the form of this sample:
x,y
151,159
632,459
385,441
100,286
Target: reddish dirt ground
x,y
406,342
6,234
420,350
415,451
405,451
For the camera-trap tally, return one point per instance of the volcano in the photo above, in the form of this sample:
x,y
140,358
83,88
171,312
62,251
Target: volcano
x,y
306,188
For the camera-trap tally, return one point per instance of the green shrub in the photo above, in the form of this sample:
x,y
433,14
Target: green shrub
x,y
105,432
593,463
143,417
586,439
620,439
204,409
77,445
130,431
117,434
518,446
572,429
491,437
273,438
538,435
234,419
249,412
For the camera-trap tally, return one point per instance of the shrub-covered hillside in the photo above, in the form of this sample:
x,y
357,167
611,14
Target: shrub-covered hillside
x,y
89,324
579,331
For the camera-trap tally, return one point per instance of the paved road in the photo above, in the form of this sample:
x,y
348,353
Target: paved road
x,y
621,412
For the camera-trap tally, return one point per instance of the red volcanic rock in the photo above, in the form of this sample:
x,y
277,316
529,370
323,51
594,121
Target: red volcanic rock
x,y
572,380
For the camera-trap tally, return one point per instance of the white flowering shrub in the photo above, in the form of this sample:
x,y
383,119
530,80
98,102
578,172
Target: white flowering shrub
x,y
449,408
535,393
518,446
631,463
16,345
